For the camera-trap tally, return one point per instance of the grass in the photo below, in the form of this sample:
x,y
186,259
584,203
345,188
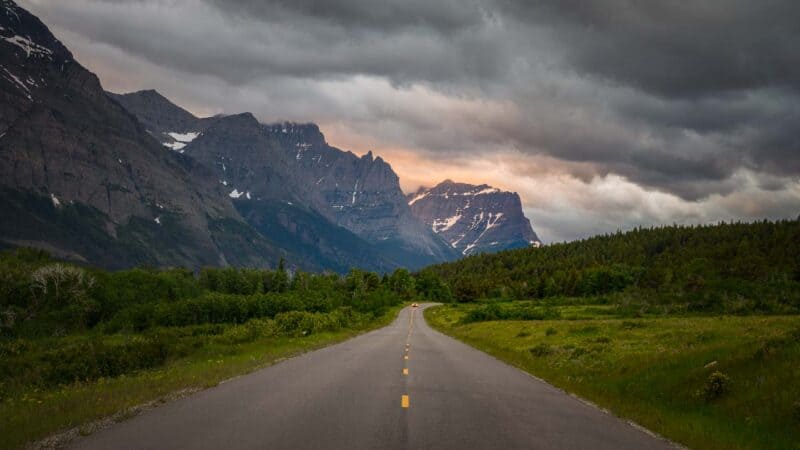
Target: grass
x,y
33,414
656,370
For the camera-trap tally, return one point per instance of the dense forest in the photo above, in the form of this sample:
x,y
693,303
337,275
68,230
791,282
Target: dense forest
x,y
729,267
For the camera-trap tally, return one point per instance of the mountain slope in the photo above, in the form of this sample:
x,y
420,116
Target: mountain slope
x,y
293,164
80,176
474,219
168,123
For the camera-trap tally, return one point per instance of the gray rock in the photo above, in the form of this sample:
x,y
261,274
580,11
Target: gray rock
x,y
474,219
82,175
292,163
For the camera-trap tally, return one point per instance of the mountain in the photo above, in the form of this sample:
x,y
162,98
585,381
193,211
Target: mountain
x,y
82,177
474,219
168,123
291,165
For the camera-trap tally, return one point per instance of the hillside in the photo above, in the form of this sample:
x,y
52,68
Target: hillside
x,y
351,206
82,178
733,267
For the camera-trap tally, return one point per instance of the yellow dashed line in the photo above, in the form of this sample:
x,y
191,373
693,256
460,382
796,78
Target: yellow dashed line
x,y
405,371
404,401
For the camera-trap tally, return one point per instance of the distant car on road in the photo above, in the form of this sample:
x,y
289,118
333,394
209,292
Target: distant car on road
x,y
414,305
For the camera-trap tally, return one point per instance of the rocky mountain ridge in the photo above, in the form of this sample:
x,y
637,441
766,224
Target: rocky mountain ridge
x,y
133,179
81,177
292,163
474,218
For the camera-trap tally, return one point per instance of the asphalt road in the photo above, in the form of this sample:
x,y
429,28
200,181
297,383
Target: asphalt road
x,y
365,394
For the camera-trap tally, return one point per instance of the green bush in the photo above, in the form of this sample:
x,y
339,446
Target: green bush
x,y
717,385
541,349
247,332
89,360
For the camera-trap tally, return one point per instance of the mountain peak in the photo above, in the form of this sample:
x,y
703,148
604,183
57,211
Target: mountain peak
x,y
473,218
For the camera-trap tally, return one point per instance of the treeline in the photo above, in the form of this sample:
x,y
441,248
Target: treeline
x,y
61,323
42,297
735,267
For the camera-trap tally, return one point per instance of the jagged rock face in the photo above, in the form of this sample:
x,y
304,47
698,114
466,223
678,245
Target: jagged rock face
x,y
474,219
292,163
63,139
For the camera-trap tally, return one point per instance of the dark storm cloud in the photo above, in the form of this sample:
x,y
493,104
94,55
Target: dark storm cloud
x,y
676,48
676,96
444,17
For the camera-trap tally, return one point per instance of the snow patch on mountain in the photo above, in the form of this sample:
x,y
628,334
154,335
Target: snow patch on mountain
x,y
180,140
184,137
29,47
440,225
418,198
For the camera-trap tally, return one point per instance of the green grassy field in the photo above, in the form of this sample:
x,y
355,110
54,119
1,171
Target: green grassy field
x,y
656,370
29,414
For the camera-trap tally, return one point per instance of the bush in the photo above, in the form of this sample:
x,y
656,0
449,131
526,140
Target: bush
x,y
302,323
90,360
541,350
248,332
796,412
717,385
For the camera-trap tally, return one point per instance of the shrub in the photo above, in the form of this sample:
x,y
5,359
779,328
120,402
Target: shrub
x,y
550,331
541,350
62,287
523,333
717,385
578,352
90,360
796,411
248,332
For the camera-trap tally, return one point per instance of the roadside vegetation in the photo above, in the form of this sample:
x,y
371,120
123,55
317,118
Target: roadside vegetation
x,y
79,344
692,332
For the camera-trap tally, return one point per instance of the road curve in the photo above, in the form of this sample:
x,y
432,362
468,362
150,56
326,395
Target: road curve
x,y
365,394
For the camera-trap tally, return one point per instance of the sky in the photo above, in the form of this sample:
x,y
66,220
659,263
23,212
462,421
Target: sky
x,y
602,115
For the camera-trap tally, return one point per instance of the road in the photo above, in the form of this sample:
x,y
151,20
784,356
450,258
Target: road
x,y
404,386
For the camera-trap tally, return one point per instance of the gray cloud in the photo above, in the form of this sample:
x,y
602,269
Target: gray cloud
x,y
679,98
684,49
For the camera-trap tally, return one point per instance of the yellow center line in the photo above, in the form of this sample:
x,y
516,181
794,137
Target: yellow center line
x,y
405,371
404,401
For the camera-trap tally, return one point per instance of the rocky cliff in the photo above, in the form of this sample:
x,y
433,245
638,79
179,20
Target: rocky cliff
x,y
80,175
474,219
293,164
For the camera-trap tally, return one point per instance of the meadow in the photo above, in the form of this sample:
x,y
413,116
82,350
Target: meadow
x,y
704,381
